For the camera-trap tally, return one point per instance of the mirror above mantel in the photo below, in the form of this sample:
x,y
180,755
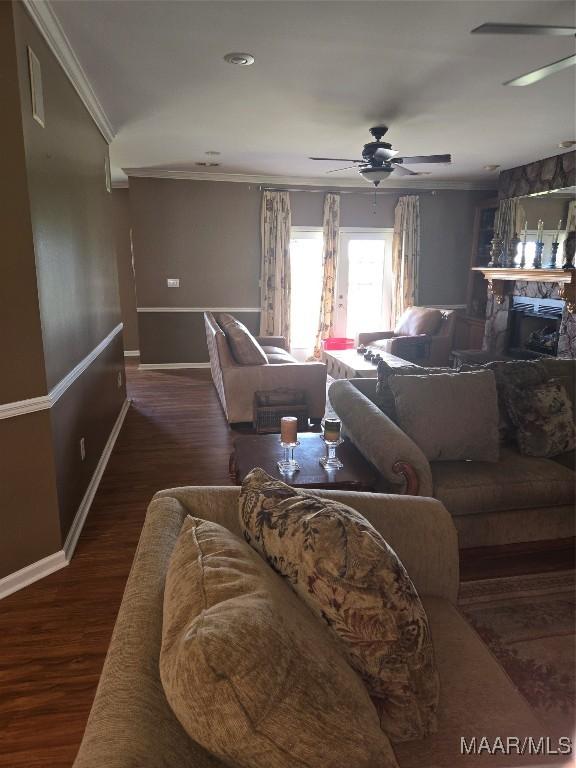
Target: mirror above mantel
x,y
524,247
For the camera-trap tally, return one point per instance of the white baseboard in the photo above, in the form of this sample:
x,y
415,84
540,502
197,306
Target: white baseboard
x,y
167,366
32,573
60,559
84,508
131,353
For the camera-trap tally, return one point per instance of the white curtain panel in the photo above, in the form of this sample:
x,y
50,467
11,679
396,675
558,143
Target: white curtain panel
x,y
275,223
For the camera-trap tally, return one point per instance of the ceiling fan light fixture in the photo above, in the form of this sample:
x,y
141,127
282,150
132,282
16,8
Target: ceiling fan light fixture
x,y
240,59
375,175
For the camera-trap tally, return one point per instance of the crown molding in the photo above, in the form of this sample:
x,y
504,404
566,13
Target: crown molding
x,y
47,22
245,178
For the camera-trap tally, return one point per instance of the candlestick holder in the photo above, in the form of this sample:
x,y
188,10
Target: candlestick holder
x,y
288,464
331,461
495,252
552,262
510,259
538,255
523,255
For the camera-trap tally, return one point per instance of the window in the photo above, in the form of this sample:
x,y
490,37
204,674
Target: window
x,y
306,277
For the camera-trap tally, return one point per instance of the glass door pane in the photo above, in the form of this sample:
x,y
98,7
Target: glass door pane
x,y
364,283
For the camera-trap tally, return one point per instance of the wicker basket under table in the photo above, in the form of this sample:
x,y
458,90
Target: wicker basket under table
x,y
270,406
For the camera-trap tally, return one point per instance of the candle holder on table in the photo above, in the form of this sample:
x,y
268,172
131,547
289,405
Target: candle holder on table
x,y
538,255
288,464
332,440
495,251
288,441
552,262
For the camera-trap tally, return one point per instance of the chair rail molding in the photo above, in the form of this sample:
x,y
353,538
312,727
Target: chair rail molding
x,y
47,22
32,404
198,309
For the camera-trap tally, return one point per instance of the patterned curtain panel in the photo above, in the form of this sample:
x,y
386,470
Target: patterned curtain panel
x,y
275,270
510,219
329,266
405,254
571,220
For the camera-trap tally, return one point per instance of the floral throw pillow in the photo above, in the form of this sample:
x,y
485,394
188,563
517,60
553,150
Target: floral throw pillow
x,y
348,575
544,419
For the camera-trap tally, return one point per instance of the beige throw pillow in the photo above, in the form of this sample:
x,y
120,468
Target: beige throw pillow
x,y
244,347
250,672
450,417
345,572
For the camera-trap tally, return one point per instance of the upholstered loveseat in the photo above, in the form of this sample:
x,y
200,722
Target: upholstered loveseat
x,y
237,383
519,498
132,726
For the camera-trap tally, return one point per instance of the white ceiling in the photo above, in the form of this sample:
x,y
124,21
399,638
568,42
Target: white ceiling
x,y
324,73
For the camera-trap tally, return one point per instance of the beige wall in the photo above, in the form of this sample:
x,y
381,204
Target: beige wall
x,y
208,235
58,299
126,279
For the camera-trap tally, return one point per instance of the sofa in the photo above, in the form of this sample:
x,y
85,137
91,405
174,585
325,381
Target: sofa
x,y
517,499
422,335
236,383
132,726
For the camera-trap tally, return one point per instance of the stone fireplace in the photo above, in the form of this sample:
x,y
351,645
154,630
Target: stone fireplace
x,y
512,319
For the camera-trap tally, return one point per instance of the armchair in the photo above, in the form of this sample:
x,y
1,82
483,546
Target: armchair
x,y
423,335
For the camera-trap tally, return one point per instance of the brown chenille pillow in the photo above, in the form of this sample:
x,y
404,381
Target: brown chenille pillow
x,y
250,672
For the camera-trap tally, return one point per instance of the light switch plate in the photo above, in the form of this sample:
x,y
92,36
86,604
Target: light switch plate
x,y
173,282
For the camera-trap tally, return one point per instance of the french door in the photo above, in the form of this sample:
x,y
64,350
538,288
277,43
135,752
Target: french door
x,y
364,282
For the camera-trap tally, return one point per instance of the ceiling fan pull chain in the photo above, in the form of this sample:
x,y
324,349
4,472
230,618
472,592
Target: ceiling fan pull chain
x,y
374,204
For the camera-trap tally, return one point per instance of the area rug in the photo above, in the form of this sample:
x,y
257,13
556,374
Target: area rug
x,y
528,623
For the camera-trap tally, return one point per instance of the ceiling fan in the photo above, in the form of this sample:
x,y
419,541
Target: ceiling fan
x,y
531,29
379,160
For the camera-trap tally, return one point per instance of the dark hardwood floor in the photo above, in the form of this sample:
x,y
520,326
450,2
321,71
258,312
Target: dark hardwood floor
x,y
54,634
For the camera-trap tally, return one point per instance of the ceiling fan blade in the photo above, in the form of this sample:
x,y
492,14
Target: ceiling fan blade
x,y
415,159
347,168
521,29
539,74
385,154
399,170
337,159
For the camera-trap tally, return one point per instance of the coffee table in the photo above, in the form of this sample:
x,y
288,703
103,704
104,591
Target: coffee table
x,y
349,364
263,451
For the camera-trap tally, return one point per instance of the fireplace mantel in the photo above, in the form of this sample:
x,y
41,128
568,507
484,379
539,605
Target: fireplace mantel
x,y
501,281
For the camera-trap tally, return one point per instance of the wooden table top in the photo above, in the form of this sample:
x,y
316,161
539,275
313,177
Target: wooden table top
x,y
264,451
354,360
